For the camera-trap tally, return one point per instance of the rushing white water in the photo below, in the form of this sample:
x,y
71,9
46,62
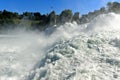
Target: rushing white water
x,y
70,52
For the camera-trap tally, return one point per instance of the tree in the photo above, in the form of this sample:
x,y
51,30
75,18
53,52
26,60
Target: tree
x,y
28,15
37,16
66,16
76,17
113,7
52,18
103,10
15,15
7,15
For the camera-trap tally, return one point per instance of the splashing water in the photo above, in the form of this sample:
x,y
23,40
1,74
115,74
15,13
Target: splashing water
x,y
71,52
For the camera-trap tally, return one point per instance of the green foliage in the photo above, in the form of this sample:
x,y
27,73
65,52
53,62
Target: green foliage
x,y
52,18
66,16
114,7
76,17
37,16
36,20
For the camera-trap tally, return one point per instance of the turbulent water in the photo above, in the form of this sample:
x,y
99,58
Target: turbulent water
x,y
70,52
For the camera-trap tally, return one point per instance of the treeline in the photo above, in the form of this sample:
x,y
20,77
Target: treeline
x,y
36,20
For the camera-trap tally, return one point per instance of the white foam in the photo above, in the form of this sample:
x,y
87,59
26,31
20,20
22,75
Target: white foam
x,y
70,52
104,22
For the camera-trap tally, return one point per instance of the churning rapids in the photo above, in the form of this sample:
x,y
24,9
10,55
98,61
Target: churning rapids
x,y
70,52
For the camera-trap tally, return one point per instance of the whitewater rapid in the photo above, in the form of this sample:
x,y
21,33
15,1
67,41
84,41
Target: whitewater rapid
x,y
71,52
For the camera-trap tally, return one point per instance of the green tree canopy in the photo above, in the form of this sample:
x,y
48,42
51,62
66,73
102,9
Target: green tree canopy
x,y
66,16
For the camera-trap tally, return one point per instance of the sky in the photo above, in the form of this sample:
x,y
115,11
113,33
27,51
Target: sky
x,y
46,6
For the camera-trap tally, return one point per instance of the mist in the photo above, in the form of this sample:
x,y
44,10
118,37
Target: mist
x,y
21,50
27,54
73,46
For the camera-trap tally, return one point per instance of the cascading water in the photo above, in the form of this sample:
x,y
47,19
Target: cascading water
x,y
71,52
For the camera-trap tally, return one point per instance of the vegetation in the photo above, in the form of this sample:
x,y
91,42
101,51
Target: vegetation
x,y
36,20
